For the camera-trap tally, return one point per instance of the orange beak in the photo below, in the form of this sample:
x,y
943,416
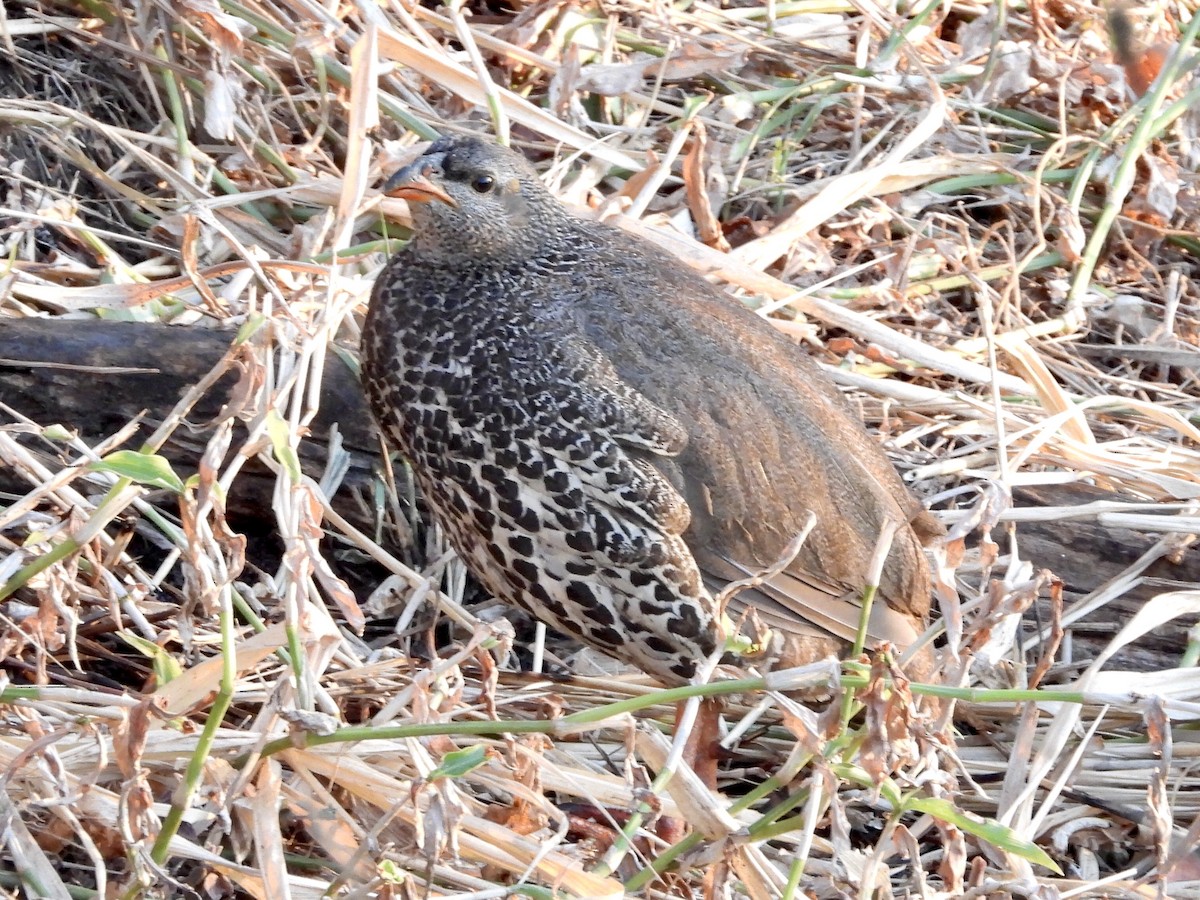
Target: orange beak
x,y
412,183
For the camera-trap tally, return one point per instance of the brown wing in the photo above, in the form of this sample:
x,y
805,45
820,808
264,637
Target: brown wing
x,y
769,439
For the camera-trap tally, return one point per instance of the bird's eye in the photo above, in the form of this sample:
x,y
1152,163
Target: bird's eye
x,y
483,183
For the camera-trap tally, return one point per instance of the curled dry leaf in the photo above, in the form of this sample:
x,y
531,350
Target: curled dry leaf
x,y
311,534
1155,198
129,745
227,32
225,92
888,705
613,79
704,184
690,61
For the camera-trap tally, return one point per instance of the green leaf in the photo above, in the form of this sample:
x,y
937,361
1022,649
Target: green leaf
x,y
142,468
458,763
888,789
34,538
280,433
57,433
993,832
250,327
390,872
740,644
166,668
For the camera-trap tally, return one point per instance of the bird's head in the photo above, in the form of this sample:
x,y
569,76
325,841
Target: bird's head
x,y
472,198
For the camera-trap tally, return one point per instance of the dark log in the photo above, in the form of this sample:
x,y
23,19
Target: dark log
x,y
1086,554
94,376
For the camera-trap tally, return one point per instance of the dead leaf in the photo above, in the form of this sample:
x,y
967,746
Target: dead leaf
x,y
696,179
1011,76
613,79
696,59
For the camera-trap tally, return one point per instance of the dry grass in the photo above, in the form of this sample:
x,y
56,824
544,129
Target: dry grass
x,y
961,207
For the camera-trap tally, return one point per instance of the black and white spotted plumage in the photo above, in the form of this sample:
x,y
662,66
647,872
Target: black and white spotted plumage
x,y
604,436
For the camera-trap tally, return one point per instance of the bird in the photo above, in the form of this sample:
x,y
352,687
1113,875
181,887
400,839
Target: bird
x,y
608,440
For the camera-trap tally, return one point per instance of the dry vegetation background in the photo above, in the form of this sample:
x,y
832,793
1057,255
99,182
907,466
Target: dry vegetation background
x,y
983,218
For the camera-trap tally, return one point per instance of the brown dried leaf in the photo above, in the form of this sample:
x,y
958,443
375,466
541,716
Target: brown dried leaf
x,y
887,704
613,79
696,183
1158,795
129,737
129,744
697,59
311,534
953,865
226,31
1054,640
329,825
1155,198
198,682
